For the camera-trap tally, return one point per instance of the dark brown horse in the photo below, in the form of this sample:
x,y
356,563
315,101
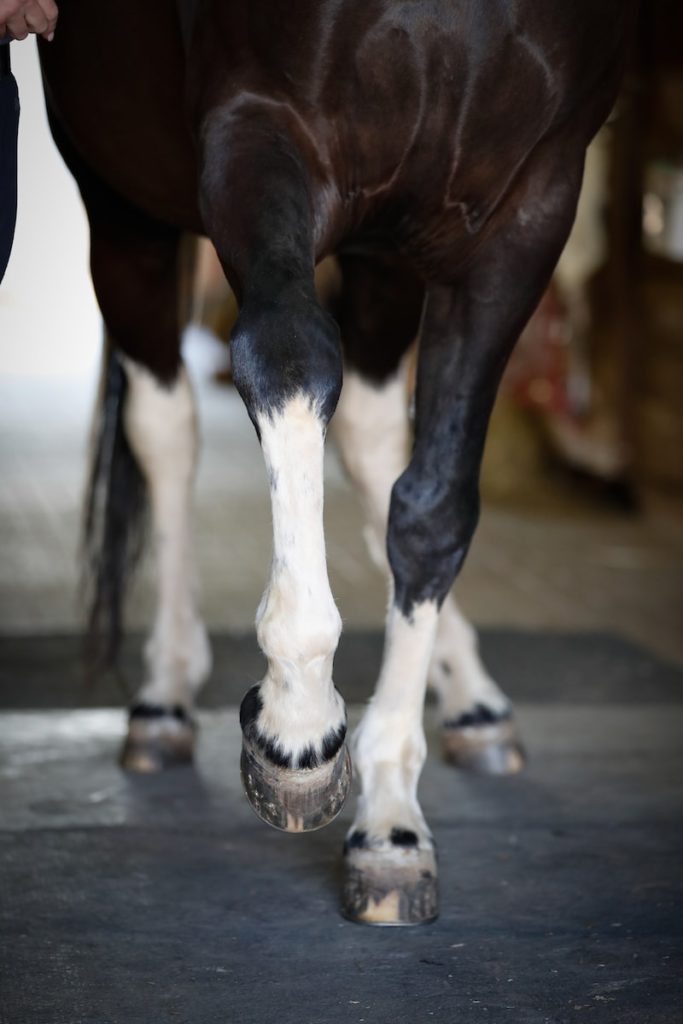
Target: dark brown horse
x,y
437,147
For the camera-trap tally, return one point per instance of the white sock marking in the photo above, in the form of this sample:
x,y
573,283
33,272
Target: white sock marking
x,y
389,745
456,672
161,426
372,431
298,625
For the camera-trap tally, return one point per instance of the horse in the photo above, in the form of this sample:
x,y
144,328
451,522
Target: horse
x,y
436,147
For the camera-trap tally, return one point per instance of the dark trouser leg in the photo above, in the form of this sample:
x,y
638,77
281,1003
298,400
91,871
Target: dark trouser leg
x,y
9,127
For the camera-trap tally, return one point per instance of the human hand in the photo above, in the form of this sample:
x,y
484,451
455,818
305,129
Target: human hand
x,y
20,17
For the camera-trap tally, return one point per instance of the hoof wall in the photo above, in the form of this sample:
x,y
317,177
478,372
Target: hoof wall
x,y
390,887
157,742
295,799
492,749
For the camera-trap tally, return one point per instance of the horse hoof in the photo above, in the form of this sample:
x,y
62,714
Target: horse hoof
x,y
490,748
295,799
157,738
396,886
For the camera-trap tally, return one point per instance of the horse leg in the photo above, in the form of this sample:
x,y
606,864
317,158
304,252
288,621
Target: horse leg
x,y
161,426
135,269
287,367
478,728
378,310
466,336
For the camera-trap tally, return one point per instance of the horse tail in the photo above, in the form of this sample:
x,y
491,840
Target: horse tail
x,y
114,520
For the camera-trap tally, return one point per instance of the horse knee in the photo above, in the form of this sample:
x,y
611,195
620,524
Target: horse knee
x,y
284,350
431,523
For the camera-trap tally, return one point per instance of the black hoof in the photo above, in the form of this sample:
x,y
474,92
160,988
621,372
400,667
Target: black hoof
x,y
483,743
158,738
295,799
390,885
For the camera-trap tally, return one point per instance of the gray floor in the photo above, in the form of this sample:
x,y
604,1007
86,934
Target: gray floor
x,y
46,672
126,901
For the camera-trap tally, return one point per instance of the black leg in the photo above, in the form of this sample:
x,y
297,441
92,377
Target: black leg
x,y
467,333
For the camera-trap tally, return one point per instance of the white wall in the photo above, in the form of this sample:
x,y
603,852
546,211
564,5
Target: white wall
x,y
49,321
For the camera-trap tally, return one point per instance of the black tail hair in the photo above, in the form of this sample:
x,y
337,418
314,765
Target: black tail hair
x,y
114,522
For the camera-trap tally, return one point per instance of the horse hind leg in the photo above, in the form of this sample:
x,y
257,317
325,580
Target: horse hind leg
x,y
151,424
161,426
478,728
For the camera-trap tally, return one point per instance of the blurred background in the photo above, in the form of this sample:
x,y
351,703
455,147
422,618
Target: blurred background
x,y
583,475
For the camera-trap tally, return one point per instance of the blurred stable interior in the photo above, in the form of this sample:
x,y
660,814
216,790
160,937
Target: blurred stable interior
x,y
583,476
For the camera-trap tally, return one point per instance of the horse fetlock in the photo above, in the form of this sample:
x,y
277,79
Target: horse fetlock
x,y
159,736
389,750
484,740
456,671
292,726
300,632
461,685
296,768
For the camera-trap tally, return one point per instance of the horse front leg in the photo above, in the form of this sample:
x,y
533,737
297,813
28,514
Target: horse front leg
x,y
295,765
378,308
286,364
479,732
466,336
372,432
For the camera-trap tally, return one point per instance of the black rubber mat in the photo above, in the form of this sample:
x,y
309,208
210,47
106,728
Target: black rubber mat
x,y
163,899
47,671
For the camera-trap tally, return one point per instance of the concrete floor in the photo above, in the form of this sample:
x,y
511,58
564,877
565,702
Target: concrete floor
x,y
130,900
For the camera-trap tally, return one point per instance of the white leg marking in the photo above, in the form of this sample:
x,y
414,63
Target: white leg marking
x,y
298,625
389,745
161,426
371,429
456,672
372,432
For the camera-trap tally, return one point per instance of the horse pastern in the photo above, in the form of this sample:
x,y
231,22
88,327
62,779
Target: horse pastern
x,y
146,711
479,715
403,837
312,755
